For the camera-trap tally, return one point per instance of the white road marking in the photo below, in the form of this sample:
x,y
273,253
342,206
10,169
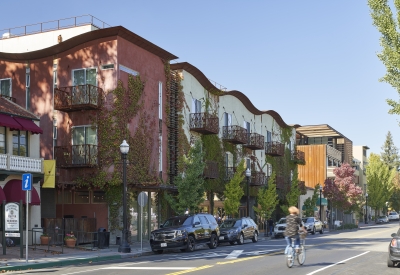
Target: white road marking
x,y
147,268
234,254
318,270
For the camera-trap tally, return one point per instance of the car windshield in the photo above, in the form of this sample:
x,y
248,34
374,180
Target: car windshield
x,y
393,213
282,221
177,221
231,223
382,217
308,220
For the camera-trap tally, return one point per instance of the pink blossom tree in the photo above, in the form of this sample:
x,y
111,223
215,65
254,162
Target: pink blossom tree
x,y
342,192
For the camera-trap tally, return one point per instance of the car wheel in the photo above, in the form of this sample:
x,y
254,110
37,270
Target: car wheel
x,y
241,239
191,243
158,251
322,230
232,243
313,231
390,263
213,241
255,237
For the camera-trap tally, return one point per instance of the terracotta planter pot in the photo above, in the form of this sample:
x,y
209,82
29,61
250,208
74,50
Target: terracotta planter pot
x,y
44,240
70,242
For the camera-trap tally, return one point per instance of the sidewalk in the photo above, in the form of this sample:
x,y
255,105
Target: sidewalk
x,y
42,258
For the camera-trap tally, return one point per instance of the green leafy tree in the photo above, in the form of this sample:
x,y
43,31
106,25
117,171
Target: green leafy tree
x,y
234,192
390,154
267,199
292,197
394,201
379,182
190,183
311,202
388,25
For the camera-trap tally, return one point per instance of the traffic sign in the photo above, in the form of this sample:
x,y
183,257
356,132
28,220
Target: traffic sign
x,y
142,199
26,182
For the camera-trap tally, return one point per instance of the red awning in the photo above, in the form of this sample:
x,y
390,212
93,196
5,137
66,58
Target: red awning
x,y
13,192
2,196
29,125
9,121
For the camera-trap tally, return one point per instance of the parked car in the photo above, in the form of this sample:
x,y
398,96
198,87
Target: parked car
x,y
280,228
238,230
393,216
184,232
382,219
394,250
313,224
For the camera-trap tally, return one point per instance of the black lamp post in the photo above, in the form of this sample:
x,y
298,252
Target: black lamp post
x,y
366,208
320,203
124,246
248,174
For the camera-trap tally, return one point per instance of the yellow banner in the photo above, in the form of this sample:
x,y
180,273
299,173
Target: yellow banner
x,y
49,174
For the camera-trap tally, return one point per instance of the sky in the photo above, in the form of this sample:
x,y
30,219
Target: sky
x,y
314,62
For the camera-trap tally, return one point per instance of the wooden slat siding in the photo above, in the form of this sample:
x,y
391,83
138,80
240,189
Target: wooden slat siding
x,y
314,171
348,151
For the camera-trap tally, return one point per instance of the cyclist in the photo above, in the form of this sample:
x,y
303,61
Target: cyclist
x,y
293,224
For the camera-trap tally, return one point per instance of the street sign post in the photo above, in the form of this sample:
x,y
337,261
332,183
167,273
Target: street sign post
x,y
27,187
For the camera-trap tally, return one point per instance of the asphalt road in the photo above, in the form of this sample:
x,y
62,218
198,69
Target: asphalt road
x,y
355,252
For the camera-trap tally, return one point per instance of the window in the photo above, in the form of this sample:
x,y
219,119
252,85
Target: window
x,y
99,197
246,125
160,154
5,87
84,145
127,70
84,76
269,136
81,197
67,197
160,110
196,106
107,67
27,88
54,76
3,140
20,143
203,220
196,219
81,94
227,119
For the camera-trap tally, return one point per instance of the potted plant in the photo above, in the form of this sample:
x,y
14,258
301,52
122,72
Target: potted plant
x,y
45,239
70,239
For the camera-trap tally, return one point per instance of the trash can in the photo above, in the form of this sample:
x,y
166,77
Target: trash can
x,y
103,238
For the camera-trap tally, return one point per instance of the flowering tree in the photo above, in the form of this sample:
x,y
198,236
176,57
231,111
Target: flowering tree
x,y
343,193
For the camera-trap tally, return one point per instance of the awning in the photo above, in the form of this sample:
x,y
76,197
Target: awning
x,y
13,193
29,125
9,121
324,202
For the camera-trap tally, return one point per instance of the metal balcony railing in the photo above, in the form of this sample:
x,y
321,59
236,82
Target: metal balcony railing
x,y
204,123
298,157
234,134
84,155
274,148
211,170
255,141
258,178
79,97
22,164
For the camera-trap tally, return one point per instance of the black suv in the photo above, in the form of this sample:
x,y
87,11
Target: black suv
x,y
238,230
184,232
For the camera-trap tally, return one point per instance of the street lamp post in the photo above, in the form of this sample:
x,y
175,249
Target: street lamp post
x,y
248,174
320,203
366,208
124,246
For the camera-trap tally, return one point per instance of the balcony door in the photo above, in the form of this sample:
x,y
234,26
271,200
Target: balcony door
x,y
84,145
81,93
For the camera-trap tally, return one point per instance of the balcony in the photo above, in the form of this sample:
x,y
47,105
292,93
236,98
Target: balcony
x,y
274,148
258,178
21,164
76,98
234,134
211,170
204,123
255,141
298,157
84,155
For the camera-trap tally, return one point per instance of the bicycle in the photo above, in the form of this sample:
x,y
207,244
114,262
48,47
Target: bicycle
x,y
291,253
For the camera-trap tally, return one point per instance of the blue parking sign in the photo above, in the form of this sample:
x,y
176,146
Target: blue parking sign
x,y
26,182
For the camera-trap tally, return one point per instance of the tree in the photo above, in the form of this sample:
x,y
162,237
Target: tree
x,y
190,183
234,192
343,193
390,154
379,182
394,201
386,24
292,197
267,199
310,203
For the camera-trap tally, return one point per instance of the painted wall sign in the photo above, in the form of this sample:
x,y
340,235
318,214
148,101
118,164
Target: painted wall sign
x,y
12,217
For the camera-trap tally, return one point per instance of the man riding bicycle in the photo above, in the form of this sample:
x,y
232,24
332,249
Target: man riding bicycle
x,y
293,224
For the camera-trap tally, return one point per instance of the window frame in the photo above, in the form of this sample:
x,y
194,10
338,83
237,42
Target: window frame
x,y
19,143
85,75
10,92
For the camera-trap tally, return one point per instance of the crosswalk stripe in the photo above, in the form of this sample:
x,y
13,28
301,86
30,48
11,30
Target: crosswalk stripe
x,y
234,254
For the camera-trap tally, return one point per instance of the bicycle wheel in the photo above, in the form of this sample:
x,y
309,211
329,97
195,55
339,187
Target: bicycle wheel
x,y
290,257
301,256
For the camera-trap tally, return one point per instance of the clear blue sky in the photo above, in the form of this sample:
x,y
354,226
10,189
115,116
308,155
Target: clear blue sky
x,y
314,62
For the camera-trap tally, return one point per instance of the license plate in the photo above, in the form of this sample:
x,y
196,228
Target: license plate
x,y
221,238
163,245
